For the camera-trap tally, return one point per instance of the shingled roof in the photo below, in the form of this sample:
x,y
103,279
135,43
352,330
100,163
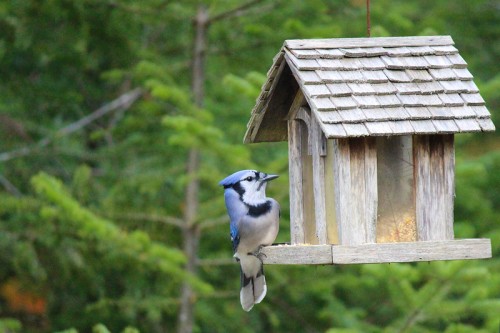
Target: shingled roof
x,y
371,86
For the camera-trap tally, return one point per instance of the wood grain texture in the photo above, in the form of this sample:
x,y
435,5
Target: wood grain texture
x,y
421,171
449,185
331,218
435,203
304,115
367,42
355,177
434,164
308,207
297,234
297,254
356,231
371,189
342,179
460,249
318,161
295,176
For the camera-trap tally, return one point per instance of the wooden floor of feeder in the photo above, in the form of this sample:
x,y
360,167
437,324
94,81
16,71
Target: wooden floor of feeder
x,y
458,249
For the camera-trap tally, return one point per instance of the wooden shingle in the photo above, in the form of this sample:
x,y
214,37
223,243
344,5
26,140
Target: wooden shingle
x,y
473,99
442,73
454,87
388,101
355,130
361,88
375,76
397,75
344,102
419,75
339,89
317,90
386,88
444,49
309,77
468,125
423,126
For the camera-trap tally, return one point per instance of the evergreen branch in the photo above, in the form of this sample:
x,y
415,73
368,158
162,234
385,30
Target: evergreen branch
x,y
415,316
122,102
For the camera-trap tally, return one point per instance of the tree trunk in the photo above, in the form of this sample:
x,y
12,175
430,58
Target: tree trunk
x,y
191,234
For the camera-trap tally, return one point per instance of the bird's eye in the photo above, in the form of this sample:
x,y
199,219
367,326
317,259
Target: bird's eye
x,y
249,179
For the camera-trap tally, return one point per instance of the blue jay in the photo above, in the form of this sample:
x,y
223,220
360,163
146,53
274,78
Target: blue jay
x,y
254,223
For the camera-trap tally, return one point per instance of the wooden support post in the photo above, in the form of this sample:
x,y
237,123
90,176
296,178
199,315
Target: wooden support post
x,y
434,186
295,175
449,172
307,200
331,218
295,138
318,161
371,189
342,178
355,167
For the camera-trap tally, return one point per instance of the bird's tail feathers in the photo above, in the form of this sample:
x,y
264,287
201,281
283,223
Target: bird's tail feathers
x,y
253,282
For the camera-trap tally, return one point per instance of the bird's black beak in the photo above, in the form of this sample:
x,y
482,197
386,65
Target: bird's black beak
x,y
269,177
265,180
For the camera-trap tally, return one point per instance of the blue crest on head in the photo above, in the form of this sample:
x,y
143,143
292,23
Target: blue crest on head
x,y
234,178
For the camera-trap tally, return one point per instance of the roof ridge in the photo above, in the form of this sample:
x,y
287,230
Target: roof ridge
x,y
368,42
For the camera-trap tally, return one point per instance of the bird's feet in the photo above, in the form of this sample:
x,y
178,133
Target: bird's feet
x,y
258,254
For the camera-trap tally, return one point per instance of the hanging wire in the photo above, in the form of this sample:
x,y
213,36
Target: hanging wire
x,y
368,24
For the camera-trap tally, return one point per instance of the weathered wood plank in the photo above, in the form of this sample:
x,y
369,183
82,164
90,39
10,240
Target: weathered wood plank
x,y
334,131
331,218
459,249
303,114
307,179
449,183
411,252
318,162
435,203
371,189
355,130
422,186
378,128
355,167
368,42
295,174
297,254
486,124
342,179
434,174
354,229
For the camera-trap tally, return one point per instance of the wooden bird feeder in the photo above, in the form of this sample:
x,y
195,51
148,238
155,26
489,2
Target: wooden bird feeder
x,y
370,124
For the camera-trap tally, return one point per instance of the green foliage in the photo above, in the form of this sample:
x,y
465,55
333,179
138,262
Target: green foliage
x,y
9,325
89,225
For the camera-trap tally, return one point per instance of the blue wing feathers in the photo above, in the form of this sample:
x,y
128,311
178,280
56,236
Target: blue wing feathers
x,y
235,237
236,211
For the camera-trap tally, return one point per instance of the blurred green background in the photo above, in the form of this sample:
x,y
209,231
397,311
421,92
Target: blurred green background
x,y
110,214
